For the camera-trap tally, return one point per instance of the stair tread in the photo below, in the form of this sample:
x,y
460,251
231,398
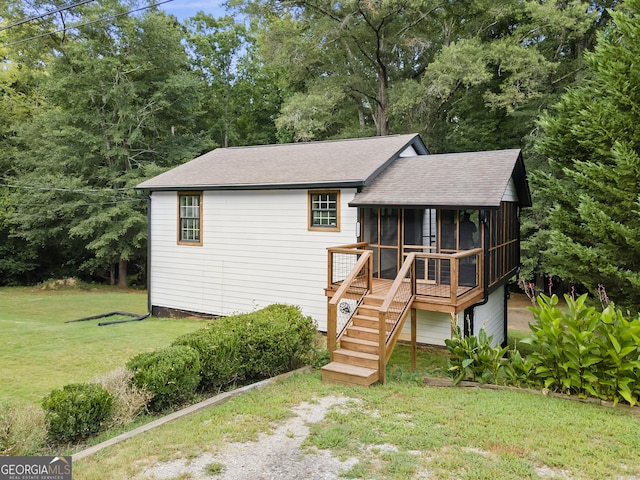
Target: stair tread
x,y
363,329
359,340
349,369
355,353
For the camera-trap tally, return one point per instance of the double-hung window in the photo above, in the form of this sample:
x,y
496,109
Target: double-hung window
x,y
324,211
190,218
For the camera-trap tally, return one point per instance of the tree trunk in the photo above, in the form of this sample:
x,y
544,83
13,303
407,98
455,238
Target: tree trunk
x,y
112,275
122,274
382,123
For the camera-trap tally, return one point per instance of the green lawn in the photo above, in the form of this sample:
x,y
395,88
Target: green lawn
x,y
404,430
41,352
396,431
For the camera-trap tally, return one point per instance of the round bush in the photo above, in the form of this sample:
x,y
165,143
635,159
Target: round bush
x,y
171,374
76,411
277,339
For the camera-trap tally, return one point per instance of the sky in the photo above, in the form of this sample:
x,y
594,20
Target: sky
x,y
184,9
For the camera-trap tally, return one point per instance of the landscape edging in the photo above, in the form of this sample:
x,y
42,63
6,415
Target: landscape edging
x,y
447,382
183,412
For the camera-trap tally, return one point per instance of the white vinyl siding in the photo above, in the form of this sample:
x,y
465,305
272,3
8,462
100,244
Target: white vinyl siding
x,y
257,250
510,193
490,316
433,328
408,152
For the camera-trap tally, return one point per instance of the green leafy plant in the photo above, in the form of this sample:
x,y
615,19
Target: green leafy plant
x,y
566,350
474,358
77,411
581,351
171,374
519,371
618,373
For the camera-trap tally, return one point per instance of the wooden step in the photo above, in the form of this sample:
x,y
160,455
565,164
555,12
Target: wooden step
x,y
359,345
365,321
369,322
373,300
346,374
368,310
363,333
359,359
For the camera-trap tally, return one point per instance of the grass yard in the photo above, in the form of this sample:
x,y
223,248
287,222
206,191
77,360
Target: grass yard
x,y
403,430
40,352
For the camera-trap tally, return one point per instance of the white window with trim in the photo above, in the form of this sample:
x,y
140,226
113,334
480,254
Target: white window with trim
x,y
324,210
190,218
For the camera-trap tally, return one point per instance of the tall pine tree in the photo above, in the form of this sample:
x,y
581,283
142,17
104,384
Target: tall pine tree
x,y
592,140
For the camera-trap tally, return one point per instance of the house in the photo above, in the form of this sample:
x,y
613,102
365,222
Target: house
x,y
362,234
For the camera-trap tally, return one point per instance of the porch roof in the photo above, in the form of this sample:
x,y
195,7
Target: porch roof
x,y
474,179
337,163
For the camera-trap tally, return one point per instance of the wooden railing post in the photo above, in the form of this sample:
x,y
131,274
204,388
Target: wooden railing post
x,y
382,342
332,325
454,279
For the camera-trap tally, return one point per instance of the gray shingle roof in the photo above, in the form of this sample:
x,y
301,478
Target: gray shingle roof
x,y
476,179
352,162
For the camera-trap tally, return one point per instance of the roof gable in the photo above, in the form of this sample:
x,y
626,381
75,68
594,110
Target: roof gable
x,y
474,179
354,162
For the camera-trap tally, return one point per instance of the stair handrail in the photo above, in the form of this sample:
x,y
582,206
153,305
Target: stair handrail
x,y
365,262
388,337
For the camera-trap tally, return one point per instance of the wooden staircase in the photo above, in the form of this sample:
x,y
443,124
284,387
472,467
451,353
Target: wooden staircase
x,y
357,360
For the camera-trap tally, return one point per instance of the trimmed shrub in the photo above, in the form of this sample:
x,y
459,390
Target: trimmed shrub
x,y
252,346
219,348
22,430
171,374
129,401
276,339
77,411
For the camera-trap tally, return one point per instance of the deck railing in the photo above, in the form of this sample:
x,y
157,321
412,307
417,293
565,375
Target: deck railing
x,y
448,275
342,259
394,311
354,283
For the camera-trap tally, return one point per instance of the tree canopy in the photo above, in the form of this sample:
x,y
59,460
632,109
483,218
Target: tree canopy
x,y
100,96
592,186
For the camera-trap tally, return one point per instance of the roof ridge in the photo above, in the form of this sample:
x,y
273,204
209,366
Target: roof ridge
x,y
335,140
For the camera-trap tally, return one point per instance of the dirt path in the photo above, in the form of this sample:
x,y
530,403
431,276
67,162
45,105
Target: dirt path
x,y
518,316
279,455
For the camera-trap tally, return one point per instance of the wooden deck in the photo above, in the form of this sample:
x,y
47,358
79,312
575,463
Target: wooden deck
x,y
434,298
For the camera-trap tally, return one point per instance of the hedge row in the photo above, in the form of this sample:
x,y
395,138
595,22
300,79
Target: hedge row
x,y
257,345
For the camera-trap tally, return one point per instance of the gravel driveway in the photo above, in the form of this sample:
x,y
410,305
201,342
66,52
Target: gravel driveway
x,y
276,456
